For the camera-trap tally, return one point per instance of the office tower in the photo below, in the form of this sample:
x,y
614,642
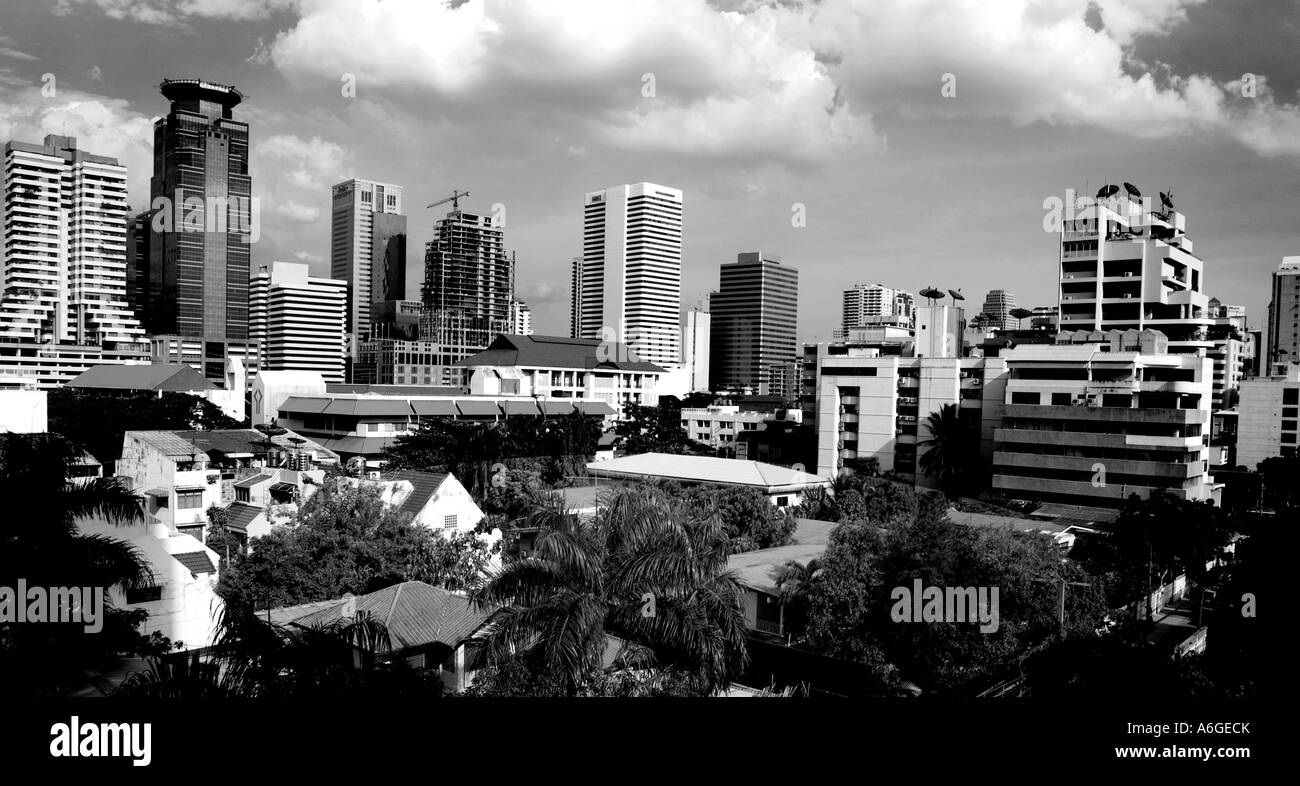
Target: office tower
x,y
695,346
575,298
753,318
200,248
632,270
296,320
998,304
868,304
367,248
521,318
1269,410
138,232
1283,340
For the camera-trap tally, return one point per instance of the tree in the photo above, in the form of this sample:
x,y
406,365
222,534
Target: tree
x,y
748,517
97,420
647,429
43,545
953,450
794,583
1278,475
637,572
253,658
345,539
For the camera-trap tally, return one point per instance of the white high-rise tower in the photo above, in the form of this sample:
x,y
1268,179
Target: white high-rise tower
x,y
632,270
65,246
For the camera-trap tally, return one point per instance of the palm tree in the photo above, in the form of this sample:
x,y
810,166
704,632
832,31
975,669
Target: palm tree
x,y
43,545
951,452
637,573
793,584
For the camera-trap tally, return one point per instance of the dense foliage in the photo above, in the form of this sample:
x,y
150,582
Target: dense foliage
x,y
97,420
345,539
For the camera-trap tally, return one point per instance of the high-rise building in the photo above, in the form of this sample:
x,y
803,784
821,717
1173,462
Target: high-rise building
x,y
632,270
200,247
296,320
467,286
65,246
575,298
521,318
367,248
695,346
138,232
998,304
1283,340
865,303
1269,410
753,320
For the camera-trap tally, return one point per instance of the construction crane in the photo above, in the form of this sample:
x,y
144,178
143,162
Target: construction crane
x,y
454,199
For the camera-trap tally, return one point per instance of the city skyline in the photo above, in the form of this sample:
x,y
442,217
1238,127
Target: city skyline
x,y
1233,167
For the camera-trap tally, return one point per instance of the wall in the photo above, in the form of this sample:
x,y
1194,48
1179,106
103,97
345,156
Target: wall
x,y
24,411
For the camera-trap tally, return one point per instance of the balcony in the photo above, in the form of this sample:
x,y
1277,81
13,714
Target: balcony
x,y
908,382
1084,465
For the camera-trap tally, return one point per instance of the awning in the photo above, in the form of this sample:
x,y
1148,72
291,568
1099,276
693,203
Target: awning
x,y
313,406
478,409
434,408
157,493
522,408
557,407
594,408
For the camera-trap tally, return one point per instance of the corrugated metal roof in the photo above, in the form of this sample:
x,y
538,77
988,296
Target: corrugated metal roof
x,y
706,469
253,480
538,351
165,442
416,615
196,562
359,446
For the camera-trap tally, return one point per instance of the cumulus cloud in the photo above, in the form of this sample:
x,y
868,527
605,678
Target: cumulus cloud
x,y
171,12
309,164
297,213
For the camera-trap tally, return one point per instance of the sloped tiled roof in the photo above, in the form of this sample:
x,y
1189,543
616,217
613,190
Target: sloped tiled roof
x,y
416,614
705,469
196,562
424,486
240,514
153,376
537,351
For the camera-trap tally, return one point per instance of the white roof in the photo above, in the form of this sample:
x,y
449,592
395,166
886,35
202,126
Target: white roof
x,y
706,469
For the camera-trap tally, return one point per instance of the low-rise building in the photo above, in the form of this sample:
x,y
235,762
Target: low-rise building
x,y
564,368
183,473
364,424
435,501
159,378
783,486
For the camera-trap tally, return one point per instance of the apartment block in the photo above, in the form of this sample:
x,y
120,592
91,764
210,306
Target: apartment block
x,y
866,302
367,249
1091,423
1283,338
1267,417
752,320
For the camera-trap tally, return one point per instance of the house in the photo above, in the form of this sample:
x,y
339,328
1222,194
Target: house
x,y
182,601
435,501
159,378
429,627
759,570
783,486
183,473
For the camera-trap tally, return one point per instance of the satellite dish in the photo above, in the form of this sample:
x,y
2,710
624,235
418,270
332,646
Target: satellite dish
x,y
1107,191
956,294
1132,190
1166,200
932,293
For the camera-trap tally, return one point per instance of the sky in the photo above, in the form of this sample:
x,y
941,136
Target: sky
x,y
919,141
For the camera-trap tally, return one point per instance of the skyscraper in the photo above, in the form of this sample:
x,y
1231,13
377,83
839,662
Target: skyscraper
x,y
367,249
296,320
695,346
754,315
1282,344
632,270
575,298
205,223
521,318
865,304
65,246
998,304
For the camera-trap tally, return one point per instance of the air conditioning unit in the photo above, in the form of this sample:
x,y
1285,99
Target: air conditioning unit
x,y
1128,296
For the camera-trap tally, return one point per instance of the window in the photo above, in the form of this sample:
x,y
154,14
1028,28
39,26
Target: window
x,y
241,495
1024,398
1288,412
1061,399
186,500
782,501
1288,425
1291,396
144,595
1288,439
449,521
